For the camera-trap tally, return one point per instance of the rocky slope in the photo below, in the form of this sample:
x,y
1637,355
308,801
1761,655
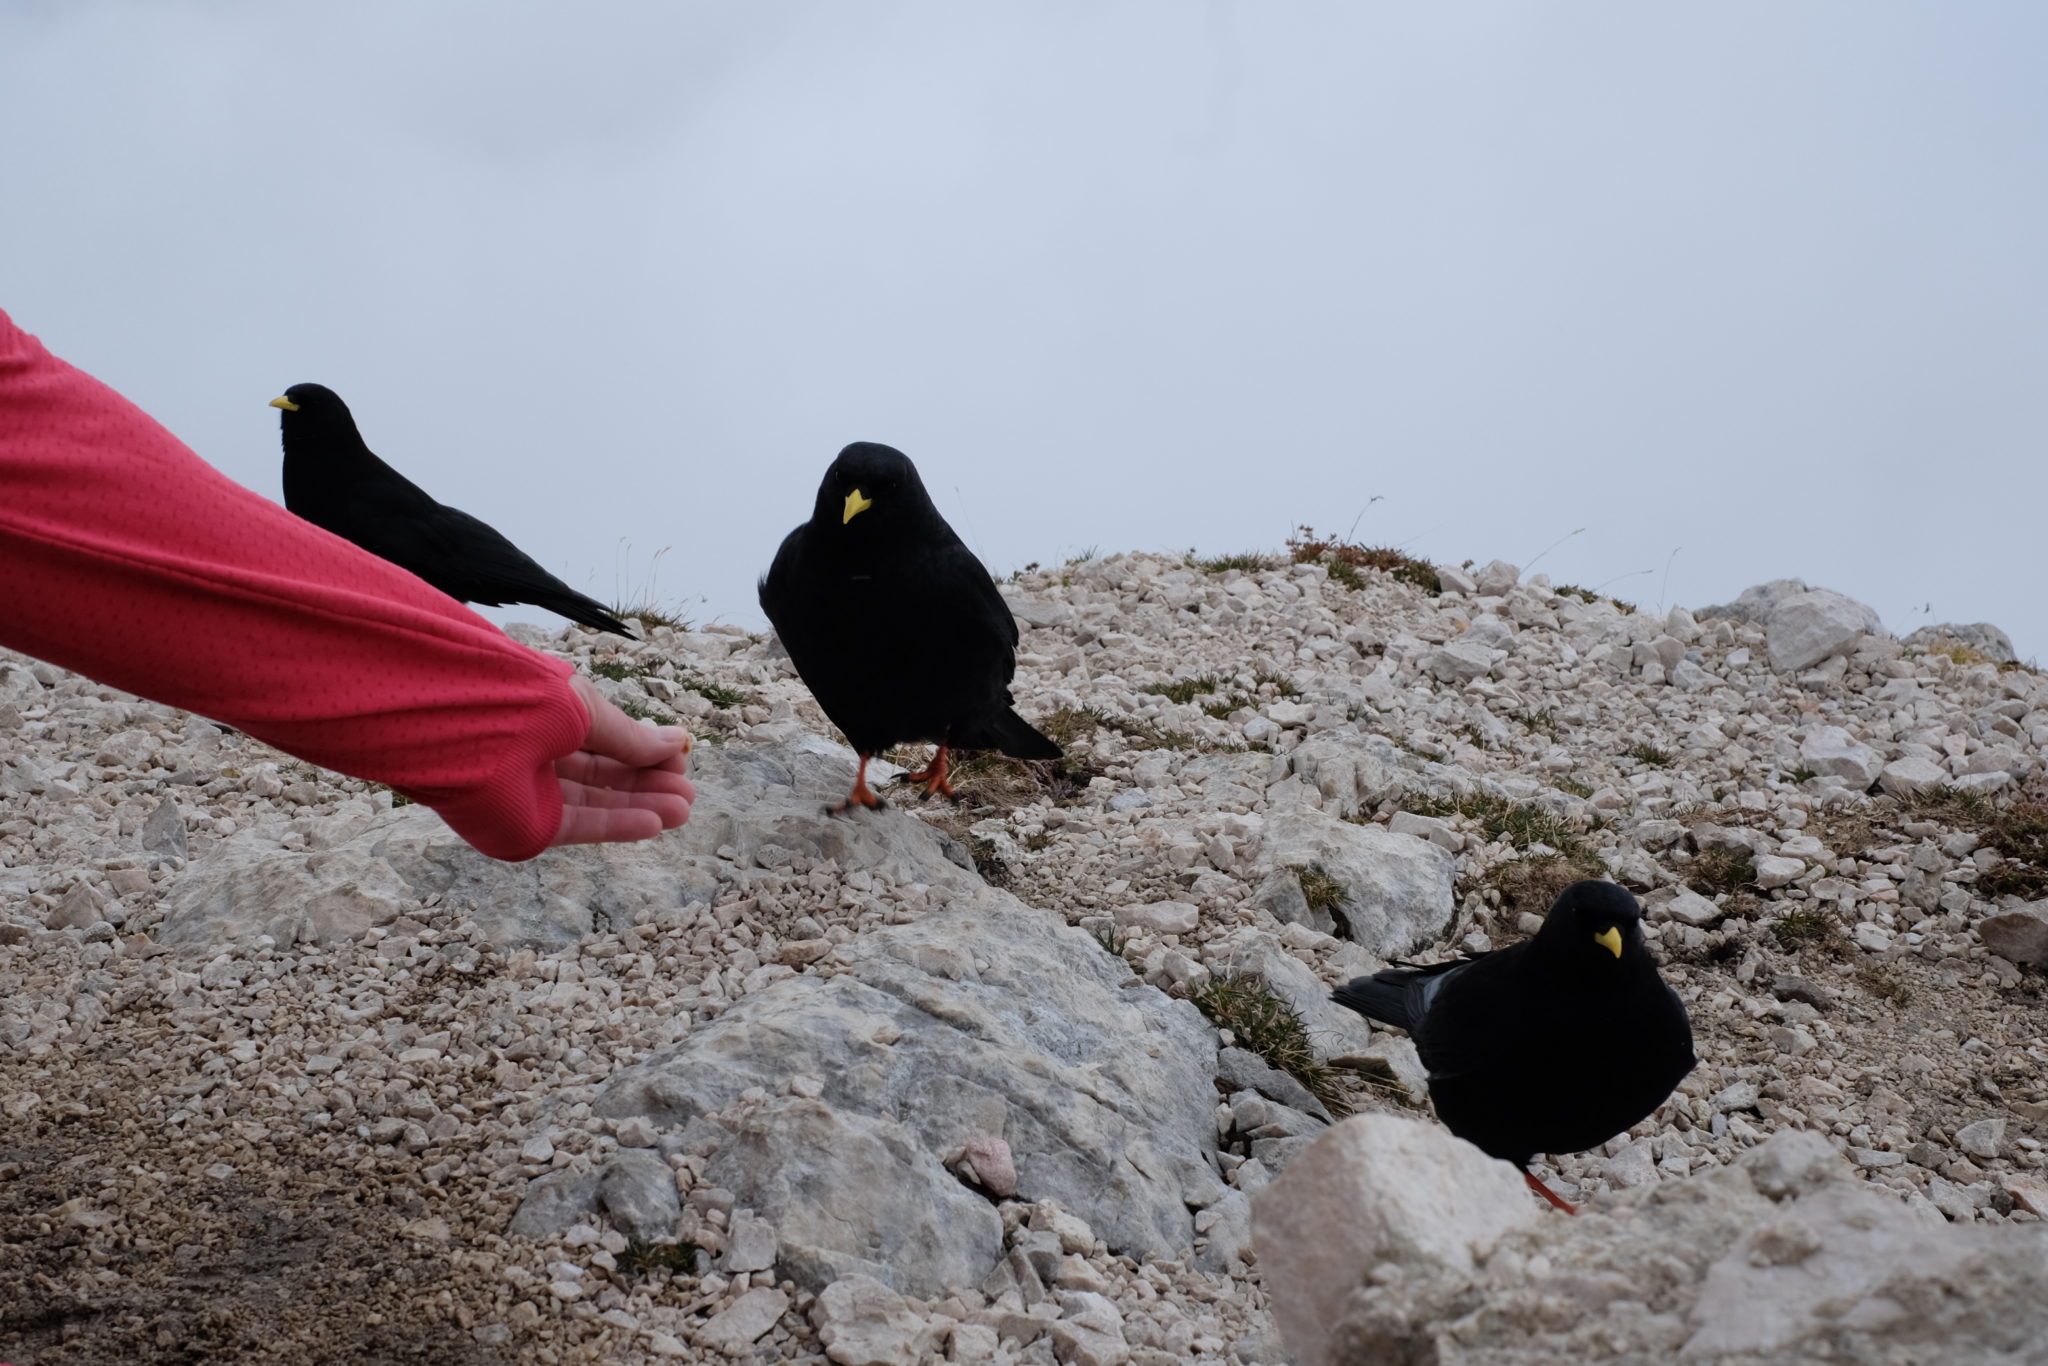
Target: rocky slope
x,y
284,1069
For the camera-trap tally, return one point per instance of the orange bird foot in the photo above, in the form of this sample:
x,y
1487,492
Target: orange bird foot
x,y
933,776
861,794
1547,1193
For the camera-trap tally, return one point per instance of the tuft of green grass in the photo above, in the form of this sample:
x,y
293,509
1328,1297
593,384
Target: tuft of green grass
x,y
1524,823
1800,775
1182,690
1884,984
992,869
1544,721
1281,683
1223,706
1250,562
1246,1005
1532,883
1107,938
644,1259
715,693
641,711
1573,787
1343,559
1587,595
1644,753
1474,735
2017,832
651,615
1322,891
1722,870
1070,725
618,669
1800,927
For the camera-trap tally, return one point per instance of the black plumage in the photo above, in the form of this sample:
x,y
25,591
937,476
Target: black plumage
x,y
1552,1045
895,626
334,481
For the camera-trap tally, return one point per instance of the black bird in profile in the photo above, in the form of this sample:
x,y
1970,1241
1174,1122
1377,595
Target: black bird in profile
x,y
334,481
894,625
1552,1045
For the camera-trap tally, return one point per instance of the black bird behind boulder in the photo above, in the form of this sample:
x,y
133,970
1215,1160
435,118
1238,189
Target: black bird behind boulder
x,y
334,481
1552,1045
896,628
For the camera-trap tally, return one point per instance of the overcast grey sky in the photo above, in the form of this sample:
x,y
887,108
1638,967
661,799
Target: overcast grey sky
x,y
1763,284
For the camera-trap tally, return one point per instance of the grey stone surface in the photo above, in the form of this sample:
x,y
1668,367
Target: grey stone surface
x,y
1981,636
554,1202
1832,752
1349,769
735,1328
863,1322
638,1191
1243,1070
1755,604
1903,777
856,1194
163,833
989,1018
1374,1189
1396,889
1781,1258
1808,628
751,797
2019,936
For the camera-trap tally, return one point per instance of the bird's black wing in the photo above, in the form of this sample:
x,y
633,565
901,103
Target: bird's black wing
x,y
1472,1012
1401,995
465,557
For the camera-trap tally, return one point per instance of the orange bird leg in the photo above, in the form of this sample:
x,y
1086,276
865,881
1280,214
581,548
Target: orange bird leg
x,y
933,776
1547,1193
860,796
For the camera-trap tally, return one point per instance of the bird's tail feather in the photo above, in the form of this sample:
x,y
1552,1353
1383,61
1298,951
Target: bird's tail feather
x,y
1009,733
1382,996
584,612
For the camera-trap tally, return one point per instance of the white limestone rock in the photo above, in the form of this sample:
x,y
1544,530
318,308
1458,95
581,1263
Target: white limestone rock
x,y
1375,1189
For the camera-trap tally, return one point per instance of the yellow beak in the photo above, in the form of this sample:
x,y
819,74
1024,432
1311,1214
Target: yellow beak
x,y
282,402
1610,940
855,506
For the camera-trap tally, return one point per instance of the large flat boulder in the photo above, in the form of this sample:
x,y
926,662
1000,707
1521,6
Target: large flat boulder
x,y
990,1019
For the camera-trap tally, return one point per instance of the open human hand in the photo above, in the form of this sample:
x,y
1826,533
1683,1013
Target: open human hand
x,y
628,782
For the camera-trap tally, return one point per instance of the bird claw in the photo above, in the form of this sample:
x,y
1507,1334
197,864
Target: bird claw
x,y
849,806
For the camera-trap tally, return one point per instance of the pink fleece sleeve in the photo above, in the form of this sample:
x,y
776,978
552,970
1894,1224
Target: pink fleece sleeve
x,y
127,558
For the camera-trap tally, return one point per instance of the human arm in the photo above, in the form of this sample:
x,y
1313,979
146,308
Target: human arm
x,y
127,558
